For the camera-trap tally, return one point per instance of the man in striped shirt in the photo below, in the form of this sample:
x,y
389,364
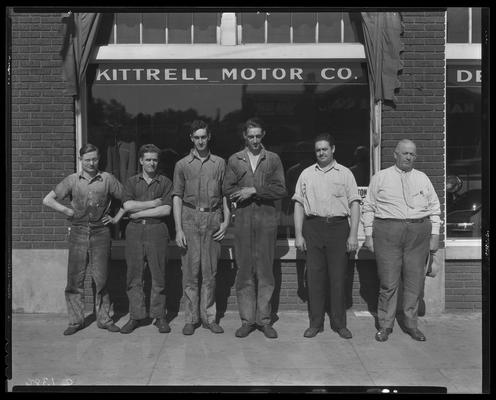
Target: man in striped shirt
x,y
401,220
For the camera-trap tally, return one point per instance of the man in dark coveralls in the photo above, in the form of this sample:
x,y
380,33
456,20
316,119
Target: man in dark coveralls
x,y
254,180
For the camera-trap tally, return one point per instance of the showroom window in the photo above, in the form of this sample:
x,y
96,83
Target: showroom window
x,y
463,149
133,103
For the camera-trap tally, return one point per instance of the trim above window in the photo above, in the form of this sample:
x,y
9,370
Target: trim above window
x,y
353,51
463,51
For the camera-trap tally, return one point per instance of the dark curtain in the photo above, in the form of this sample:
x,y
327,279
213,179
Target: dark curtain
x,y
382,34
79,32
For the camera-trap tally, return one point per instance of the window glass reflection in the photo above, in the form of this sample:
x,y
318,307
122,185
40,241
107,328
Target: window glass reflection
x,y
278,27
154,27
457,25
476,24
253,25
125,116
179,27
205,27
329,27
304,27
352,27
128,27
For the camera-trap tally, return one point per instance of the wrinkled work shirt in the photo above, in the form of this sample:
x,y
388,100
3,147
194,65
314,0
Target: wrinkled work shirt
x,y
198,182
137,189
90,197
268,178
326,192
385,198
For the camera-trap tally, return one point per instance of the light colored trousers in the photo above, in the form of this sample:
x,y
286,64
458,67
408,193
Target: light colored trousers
x,y
401,249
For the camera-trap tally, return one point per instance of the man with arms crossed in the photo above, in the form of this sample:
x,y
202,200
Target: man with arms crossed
x,y
401,219
90,192
201,216
147,199
326,194
254,181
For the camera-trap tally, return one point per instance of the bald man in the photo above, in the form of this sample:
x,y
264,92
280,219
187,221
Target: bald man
x,y
401,219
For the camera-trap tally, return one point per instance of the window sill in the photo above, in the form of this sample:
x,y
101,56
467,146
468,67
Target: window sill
x,y
463,249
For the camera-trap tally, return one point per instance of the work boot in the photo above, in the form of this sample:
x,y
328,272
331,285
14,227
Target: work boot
x,y
244,331
188,329
130,326
162,325
72,329
214,327
110,327
269,332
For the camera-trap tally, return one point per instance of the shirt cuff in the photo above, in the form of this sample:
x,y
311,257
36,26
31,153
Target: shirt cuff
x,y
297,198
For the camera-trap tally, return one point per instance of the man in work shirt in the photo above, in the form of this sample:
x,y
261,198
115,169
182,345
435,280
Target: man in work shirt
x,y
90,192
147,199
326,194
254,181
201,216
401,220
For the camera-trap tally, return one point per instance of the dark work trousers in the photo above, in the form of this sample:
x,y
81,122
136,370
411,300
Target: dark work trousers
x,y
146,242
88,246
327,261
202,253
401,249
255,230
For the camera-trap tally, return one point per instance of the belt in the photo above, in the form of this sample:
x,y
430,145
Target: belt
x,y
203,209
146,221
327,220
410,220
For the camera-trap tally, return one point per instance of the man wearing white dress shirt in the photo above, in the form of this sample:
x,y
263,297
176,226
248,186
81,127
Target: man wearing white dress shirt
x,y
401,220
326,194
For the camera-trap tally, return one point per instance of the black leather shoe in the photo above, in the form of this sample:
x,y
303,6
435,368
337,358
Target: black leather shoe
x,y
162,325
311,332
71,330
188,329
344,333
269,332
416,334
130,326
244,331
110,327
383,334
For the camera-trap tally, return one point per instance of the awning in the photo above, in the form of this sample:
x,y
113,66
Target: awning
x,y
79,31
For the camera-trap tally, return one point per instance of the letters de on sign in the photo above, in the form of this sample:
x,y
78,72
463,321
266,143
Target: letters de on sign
x,y
231,73
463,75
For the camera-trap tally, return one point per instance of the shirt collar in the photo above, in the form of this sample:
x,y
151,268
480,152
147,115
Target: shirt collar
x,y
243,154
98,176
155,178
334,164
400,171
194,154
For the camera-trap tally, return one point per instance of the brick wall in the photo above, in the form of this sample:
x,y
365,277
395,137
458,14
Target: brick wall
x,y
289,294
463,285
419,111
43,131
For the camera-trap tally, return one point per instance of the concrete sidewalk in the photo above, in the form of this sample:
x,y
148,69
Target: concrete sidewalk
x,y
451,357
